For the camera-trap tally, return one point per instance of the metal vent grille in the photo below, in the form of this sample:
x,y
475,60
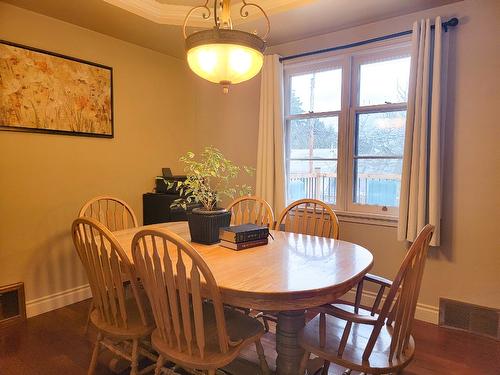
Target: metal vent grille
x,y
476,319
12,304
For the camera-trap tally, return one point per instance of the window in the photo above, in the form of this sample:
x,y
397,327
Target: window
x,y
312,136
345,128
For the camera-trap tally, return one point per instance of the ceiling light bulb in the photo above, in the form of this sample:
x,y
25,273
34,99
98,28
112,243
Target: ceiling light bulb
x,y
240,60
208,60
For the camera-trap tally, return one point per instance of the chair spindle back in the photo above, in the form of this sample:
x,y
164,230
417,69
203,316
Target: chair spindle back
x,y
401,301
114,213
309,216
105,263
177,280
251,209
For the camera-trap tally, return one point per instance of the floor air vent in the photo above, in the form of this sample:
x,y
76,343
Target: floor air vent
x,y
476,319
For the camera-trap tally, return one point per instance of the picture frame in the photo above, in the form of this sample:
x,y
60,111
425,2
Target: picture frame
x,y
48,92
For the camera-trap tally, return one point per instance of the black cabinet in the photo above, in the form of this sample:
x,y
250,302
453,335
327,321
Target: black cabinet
x,y
156,208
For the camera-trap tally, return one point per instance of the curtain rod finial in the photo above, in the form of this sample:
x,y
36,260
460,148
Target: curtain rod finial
x,y
452,22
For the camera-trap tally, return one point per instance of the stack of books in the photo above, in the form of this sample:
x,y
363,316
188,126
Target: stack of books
x,y
243,236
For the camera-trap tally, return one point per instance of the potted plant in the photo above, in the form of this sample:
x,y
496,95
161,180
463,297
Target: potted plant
x,y
208,180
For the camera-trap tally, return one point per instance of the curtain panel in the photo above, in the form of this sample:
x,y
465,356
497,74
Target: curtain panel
x,y
270,184
421,181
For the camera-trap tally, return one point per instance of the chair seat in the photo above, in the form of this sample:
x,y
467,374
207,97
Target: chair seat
x,y
240,327
135,327
378,361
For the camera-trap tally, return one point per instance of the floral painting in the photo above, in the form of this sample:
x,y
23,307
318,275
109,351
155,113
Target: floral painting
x,y
46,92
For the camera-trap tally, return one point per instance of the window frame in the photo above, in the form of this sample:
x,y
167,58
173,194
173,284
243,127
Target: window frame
x,y
318,65
349,61
356,109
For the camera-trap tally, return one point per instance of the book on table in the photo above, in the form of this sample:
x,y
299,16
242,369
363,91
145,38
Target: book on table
x,y
243,245
243,236
243,233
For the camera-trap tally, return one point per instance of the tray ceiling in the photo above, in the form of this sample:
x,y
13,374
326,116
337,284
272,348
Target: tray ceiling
x,y
181,2
155,24
173,12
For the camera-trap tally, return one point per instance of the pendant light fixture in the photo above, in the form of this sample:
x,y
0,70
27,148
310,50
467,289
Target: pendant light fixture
x,y
224,55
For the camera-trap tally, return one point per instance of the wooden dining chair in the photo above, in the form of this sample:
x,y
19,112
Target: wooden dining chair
x,y
121,321
191,331
371,341
309,216
114,213
251,209
305,216
254,210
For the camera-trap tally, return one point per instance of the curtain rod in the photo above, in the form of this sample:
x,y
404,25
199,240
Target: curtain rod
x,y
450,23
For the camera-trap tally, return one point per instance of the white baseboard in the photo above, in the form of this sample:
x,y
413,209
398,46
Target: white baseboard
x,y
427,313
55,301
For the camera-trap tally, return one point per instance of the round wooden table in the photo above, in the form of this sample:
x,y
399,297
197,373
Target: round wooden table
x,y
292,273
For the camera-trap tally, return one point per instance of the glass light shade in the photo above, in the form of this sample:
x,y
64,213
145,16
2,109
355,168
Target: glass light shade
x,y
225,56
225,63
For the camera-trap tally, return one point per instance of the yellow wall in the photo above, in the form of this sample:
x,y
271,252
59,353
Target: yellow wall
x,y
44,179
467,266
229,122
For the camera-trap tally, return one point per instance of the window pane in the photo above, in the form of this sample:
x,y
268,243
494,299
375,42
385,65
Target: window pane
x,y
312,179
316,92
314,138
384,82
377,181
381,134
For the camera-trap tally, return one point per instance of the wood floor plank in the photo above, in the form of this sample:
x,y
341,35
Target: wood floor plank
x,y
54,344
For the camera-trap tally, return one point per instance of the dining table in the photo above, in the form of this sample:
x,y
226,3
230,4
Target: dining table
x,y
292,273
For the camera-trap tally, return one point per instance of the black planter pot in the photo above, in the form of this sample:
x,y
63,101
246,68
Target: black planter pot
x,y
204,225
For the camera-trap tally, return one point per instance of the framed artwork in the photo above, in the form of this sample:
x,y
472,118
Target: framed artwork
x,y
46,92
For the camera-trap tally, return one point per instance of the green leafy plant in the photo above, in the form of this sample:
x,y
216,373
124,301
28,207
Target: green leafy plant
x,y
209,179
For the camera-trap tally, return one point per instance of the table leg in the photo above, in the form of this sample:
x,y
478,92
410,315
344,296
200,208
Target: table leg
x,y
289,352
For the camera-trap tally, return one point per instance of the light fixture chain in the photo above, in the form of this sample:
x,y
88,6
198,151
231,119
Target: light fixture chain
x,y
226,14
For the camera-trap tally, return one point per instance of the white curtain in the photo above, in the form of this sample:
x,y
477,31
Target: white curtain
x,y
420,201
270,183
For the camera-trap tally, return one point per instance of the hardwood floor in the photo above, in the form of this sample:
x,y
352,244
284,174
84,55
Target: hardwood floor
x,y
54,343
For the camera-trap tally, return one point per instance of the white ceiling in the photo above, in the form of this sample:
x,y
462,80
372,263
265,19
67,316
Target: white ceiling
x,y
156,24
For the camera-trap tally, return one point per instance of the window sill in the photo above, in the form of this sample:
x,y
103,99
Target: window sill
x,y
369,219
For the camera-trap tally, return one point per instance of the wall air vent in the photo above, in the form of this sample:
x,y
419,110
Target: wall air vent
x,y
467,317
12,304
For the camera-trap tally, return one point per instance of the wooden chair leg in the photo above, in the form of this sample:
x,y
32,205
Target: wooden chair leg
x,y
87,324
326,367
135,357
260,315
95,354
266,325
211,372
264,367
159,364
303,363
